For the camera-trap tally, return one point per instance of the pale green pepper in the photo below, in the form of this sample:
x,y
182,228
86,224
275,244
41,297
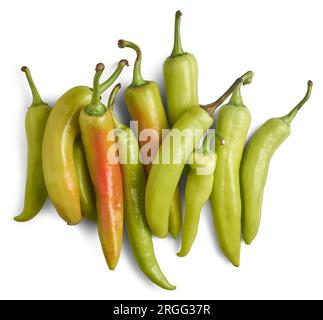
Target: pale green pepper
x,y
134,184
198,188
255,164
233,122
181,78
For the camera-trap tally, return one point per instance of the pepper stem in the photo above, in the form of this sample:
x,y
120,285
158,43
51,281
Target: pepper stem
x,y
96,83
111,102
244,79
236,98
137,79
177,48
37,100
113,95
106,84
96,108
291,115
209,139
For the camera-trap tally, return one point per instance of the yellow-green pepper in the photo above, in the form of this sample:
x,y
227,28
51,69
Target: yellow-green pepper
x,y
58,161
35,122
181,78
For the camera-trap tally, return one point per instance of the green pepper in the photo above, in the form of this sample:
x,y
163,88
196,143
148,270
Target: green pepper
x,y
164,177
87,195
233,122
35,122
134,183
145,105
198,188
255,164
181,78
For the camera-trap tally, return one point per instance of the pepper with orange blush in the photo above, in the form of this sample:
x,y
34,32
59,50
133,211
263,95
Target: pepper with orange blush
x,y
96,124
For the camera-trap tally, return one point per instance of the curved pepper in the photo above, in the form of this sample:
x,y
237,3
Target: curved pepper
x,y
198,188
96,124
181,78
35,122
87,196
146,107
164,177
233,122
61,130
255,164
134,183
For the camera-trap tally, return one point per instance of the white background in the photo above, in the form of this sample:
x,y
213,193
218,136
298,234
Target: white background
x,y
61,41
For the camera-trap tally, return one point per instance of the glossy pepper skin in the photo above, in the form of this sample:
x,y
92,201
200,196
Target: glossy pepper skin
x,y
134,184
255,164
146,107
233,122
96,124
87,195
181,77
35,122
164,177
58,163
198,188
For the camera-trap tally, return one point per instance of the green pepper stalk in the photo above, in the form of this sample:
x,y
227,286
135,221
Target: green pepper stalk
x,y
35,122
164,178
233,122
181,77
197,191
134,183
145,105
255,165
